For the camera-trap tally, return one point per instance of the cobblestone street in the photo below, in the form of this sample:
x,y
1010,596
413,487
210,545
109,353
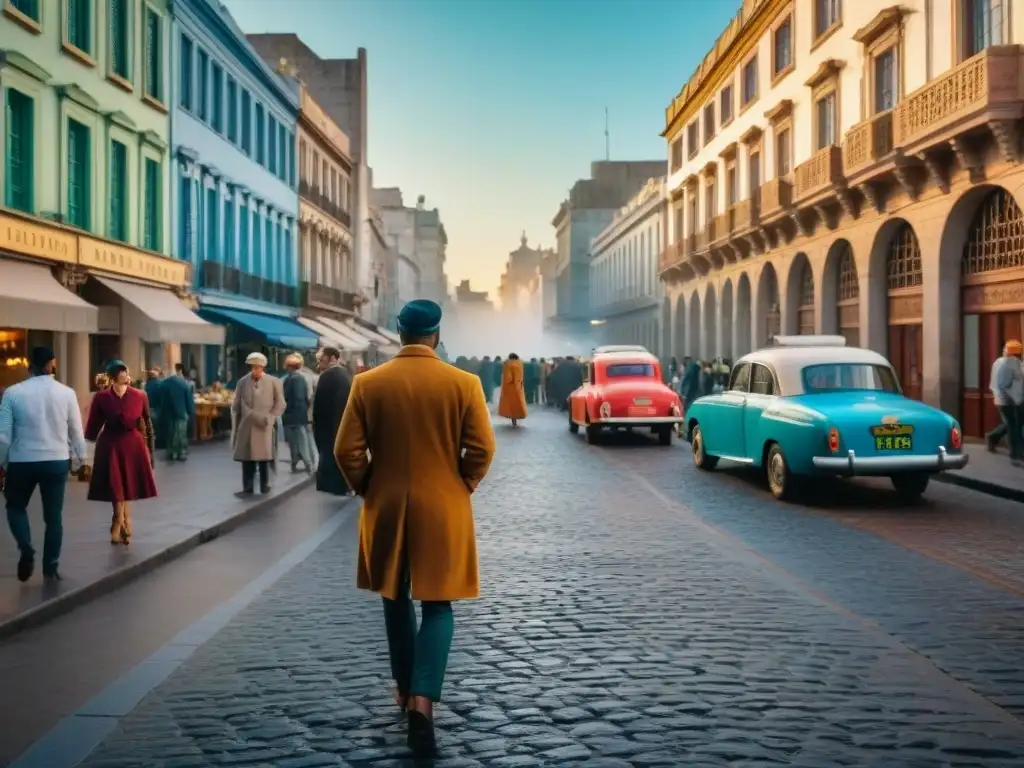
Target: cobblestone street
x,y
637,613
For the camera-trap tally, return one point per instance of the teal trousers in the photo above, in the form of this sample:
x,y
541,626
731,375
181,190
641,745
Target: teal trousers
x,y
419,657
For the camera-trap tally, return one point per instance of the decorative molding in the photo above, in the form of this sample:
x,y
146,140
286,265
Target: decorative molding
x,y
1007,135
730,150
121,119
9,58
71,275
751,135
710,169
883,20
828,69
154,140
210,170
902,171
935,171
871,195
79,96
968,158
780,111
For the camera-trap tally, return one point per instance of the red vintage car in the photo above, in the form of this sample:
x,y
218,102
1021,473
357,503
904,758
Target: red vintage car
x,y
623,390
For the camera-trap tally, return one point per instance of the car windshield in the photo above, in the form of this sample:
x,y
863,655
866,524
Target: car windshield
x,y
831,376
624,370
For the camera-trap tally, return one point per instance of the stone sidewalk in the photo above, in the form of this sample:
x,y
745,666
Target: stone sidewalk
x,y
990,473
196,503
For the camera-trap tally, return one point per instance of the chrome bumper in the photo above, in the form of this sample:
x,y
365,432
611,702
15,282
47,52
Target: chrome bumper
x,y
851,464
637,421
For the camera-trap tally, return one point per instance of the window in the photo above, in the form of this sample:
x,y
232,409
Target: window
x,y
232,110
677,154
740,380
982,25
783,156
229,231
826,16
782,48
20,152
754,172
203,106
271,144
709,123
749,86
212,235
832,376
693,138
725,106
693,212
710,202
257,244
79,24
282,152
826,109
885,80
120,50
261,138
246,123
271,268
732,185
761,381
185,218
243,237
78,174
303,165
118,191
185,73
630,370
217,75
291,159
154,56
28,8
151,213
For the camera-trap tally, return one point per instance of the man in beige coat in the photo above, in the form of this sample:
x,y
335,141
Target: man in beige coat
x,y
258,403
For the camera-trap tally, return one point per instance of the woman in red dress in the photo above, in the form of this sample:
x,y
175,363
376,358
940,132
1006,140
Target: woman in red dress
x,y
119,423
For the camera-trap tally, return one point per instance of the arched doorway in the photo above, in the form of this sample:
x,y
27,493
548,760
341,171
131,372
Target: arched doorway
x,y
709,347
743,319
992,276
801,294
693,335
905,310
847,295
769,323
726,314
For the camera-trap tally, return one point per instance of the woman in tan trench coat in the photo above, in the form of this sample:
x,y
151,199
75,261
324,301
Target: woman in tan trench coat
x,y
512,403
255,409
415,441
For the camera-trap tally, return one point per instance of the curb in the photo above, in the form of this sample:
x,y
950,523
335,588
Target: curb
x,y
68,601
983,486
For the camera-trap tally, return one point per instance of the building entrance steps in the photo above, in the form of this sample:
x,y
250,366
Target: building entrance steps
x,y
197,503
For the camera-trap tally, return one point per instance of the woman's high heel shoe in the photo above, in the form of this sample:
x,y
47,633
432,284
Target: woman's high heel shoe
x,y
422,741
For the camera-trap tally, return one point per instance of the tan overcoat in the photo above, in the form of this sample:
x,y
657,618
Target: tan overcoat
x,y
415,441
254,411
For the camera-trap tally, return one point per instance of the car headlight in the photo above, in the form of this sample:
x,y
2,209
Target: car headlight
x,y
605,410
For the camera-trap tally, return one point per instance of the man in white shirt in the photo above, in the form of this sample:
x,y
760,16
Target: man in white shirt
x,y
41,443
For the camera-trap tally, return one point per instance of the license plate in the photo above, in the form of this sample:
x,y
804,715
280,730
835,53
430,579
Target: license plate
x,y
640,411
642,401
893,437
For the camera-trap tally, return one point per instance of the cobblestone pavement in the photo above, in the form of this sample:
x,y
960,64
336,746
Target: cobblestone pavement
x,y
636,613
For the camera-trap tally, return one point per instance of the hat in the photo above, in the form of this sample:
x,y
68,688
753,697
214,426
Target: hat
x,y
256,358
114,367
1014,347
420,317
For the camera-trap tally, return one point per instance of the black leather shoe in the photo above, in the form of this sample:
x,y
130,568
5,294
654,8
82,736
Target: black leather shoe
x,y
52,576
421,741
264,489
26,566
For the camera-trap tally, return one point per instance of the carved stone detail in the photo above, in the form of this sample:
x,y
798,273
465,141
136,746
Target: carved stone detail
x,y
935,171
904,176
871,195
801,224
71,276
969,160
847,201
825,216
1007,137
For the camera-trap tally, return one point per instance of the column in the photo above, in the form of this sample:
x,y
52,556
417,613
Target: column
x,y
77,374
132,353
60,350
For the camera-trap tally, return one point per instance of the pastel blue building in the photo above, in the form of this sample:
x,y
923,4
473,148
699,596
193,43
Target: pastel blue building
x,y
235,201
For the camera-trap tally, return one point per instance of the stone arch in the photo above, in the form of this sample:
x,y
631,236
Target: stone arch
x,y
840,293
693,325
709,323
679,331
768,318
743,323
800,298
725,313
665,349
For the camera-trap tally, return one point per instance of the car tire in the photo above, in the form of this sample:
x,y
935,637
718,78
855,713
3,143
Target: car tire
x,y
574,428
780,479
700,456
665,436
911,485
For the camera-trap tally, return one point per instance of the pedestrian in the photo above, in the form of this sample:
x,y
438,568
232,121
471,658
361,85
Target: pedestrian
x,y
255,409
1007,384
178,407
121,425
415,442
295,418
99,383
154,391
485,372
329,402
41,443
689,386
512,400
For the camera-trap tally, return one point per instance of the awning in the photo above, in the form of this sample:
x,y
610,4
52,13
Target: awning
x,y
157,315
30,297
375,337
391,336
351,340
280,332
328,336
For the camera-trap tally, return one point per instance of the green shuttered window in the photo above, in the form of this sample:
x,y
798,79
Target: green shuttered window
x,y
151,233
229,231
212,239
154,50
202,66
78,174
120,41
79,24
20,151
28,8
246,123
217,110
118,191
185,73
232,111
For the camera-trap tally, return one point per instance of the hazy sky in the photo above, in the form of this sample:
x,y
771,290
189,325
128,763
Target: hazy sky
x,y
493,108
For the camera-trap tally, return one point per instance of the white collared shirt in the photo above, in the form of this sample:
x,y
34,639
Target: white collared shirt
x,y
40,420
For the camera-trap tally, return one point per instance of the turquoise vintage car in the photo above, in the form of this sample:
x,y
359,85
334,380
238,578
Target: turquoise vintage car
x,y
810,405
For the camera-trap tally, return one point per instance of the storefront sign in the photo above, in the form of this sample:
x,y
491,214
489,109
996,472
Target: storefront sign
x,y
996,297
119,260
21,237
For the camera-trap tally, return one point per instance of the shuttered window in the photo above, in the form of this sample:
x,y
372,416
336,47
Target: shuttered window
x,y
28,8
185,73
120,41
202,108
243,238
211,225
151,231
20,151
154,50
78,175
229,231
118,191
232,110
258,267
217,111
79,24
272,148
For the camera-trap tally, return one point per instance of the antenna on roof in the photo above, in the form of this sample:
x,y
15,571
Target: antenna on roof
x,y
607,137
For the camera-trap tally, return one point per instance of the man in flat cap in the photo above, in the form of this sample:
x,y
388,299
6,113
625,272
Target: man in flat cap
x,y
415,441
258,403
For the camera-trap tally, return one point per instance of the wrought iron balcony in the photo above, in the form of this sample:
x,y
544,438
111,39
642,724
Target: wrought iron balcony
x,y
315,294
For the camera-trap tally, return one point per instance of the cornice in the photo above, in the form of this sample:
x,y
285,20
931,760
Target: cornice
x,y
650,206
827,69
883,20
313,132
752,134
780,111
730,151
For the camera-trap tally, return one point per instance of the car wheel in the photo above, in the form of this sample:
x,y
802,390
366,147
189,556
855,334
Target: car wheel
x,y
574,428
665,436
911,485
700,456
779,477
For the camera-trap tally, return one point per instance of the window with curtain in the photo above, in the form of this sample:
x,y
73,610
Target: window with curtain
x,y
118,227
885,80
246,123
203,74
826,107
983,25
154,56
120,40
151,215
79,162
185,73
79,24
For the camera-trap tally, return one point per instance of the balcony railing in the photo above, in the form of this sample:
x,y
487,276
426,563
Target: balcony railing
x,y
221,277
819,173
745,213
670,256
722,226
704,238
986,86
776,195
326,296
867,142
315,196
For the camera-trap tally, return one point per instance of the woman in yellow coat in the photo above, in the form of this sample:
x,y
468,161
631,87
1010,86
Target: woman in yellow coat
x,y
512,404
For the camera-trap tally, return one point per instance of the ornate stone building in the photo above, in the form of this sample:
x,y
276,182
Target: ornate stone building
x,y
519,289
853,168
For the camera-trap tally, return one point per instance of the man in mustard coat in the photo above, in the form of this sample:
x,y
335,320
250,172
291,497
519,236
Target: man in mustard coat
x,y
415,441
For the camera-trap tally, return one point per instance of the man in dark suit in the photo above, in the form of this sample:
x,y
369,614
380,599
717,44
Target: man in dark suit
x,y
329,403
